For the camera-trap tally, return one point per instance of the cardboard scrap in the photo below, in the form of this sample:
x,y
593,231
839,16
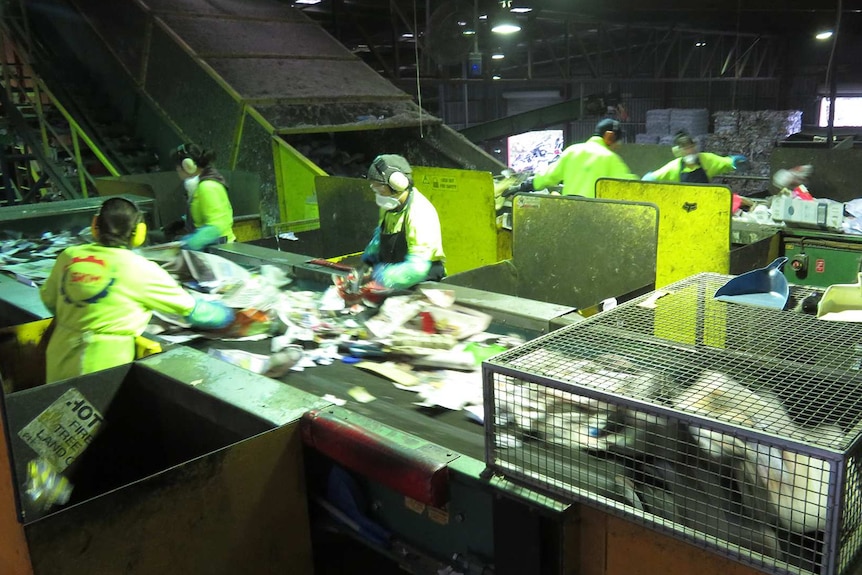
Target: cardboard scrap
x,y
390,371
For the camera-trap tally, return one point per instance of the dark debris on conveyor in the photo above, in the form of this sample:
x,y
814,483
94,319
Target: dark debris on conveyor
x,y
30,259
421,340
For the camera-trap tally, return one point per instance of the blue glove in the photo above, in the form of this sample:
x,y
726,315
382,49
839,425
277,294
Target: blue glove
x,y
370,255
210,315
739,162
200,238
649,177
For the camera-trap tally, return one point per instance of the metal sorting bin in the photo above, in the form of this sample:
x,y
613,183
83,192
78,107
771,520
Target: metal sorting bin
x,y
175,479
733,427
36,219
574,272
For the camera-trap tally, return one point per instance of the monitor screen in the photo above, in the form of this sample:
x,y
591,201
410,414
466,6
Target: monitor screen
x,y
848,111
533,151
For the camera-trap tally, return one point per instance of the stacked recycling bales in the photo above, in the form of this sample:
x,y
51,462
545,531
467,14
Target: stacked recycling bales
x,y
662,124
755,135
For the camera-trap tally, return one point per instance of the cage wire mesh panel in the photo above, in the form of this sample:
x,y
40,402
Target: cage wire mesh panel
x,y
730,426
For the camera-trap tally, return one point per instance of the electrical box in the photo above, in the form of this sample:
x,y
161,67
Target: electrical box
x,y
474,64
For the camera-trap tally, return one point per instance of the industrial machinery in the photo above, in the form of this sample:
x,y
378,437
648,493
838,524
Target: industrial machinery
x,y
417,475
723,424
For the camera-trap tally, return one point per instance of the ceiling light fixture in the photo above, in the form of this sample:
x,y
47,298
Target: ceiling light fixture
x,y
498,56
495,77
825,35
521,10
503,22
307,2
699,44
505,27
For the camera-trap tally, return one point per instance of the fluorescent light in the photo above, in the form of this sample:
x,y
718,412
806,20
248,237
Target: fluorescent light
x,y
495,77
825,35
699,44
308,2
521,10
497,56
506,28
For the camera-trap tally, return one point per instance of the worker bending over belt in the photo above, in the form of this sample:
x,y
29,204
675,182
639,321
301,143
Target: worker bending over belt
x,y
406,247
103,294
209,214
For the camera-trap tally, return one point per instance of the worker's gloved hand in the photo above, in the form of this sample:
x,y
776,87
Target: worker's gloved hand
x,y
527,185
649,177
210,315
739,162
370,256
368,260
200,238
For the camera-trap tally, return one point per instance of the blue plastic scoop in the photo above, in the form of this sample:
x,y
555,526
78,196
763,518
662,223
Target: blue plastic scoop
x,y
765,287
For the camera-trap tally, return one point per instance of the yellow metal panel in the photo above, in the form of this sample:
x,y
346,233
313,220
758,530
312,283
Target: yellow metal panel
x,y
247,229
294,175
465,203
694,225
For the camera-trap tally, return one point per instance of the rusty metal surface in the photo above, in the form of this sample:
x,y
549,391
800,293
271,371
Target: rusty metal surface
x,y
301,38
264,9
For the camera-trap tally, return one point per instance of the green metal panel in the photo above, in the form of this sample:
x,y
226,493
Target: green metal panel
x,y
823,262
577,252
295,176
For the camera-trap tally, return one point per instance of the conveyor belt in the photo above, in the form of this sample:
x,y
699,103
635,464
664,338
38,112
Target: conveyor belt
x,y
393,407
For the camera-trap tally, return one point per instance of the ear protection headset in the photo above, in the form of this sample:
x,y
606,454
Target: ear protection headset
x,y
395,179
139,231
188,163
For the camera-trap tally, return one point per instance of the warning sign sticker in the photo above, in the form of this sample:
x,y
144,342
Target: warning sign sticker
x,y
64,430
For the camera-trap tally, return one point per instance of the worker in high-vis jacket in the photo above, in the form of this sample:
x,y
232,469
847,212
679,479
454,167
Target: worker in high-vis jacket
x,y
693,166
406,247
103,294
209,215
580,165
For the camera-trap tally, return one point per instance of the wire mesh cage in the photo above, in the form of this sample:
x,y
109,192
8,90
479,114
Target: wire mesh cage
x,y
731,426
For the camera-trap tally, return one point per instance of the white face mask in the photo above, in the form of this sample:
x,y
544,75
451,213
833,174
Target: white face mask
x,y
691,159
191,184
386,202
